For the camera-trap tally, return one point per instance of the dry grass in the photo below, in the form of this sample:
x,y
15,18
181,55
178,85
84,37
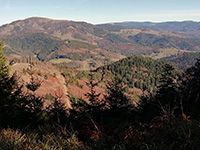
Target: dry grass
x,y
16,140
60,60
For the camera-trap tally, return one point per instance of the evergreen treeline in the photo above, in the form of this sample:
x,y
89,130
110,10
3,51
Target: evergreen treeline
x,y
140,72
166,119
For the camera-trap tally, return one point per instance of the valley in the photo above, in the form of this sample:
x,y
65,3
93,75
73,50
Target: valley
x,y
86,46
62,53
79,86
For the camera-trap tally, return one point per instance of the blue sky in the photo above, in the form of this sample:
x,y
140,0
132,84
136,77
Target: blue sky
x,y
101,11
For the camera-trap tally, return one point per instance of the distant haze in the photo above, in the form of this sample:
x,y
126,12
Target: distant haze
x,y
104,11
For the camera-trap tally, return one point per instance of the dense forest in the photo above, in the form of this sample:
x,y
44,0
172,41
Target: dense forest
x,y
165,119
140,72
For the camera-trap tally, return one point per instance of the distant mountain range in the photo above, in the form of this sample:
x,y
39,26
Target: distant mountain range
x,y
189,27
84,45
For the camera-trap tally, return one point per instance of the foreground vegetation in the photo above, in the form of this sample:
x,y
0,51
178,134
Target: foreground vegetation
x,y
167,118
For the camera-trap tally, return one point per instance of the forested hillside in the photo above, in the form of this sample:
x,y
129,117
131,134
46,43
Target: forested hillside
x,y
89,46
183,61
140,72
168,118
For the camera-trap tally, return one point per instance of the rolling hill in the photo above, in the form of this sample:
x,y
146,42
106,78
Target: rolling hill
x,y
138,72
183,61
87,46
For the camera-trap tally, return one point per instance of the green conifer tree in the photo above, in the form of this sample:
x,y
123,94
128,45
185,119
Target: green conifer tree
x,y
191,92
116,93
3,65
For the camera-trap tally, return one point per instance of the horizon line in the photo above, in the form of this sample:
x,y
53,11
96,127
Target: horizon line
x,y
99,23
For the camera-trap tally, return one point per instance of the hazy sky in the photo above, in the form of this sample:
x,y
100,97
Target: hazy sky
x,y
101,11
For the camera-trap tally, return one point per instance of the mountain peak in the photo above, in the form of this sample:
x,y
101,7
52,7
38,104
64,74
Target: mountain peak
x,y
50,39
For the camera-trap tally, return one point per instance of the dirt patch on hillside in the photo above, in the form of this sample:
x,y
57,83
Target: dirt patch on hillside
x,y
52,83
80,89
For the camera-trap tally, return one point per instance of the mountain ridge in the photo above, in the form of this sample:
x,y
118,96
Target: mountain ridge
x,y
49,39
